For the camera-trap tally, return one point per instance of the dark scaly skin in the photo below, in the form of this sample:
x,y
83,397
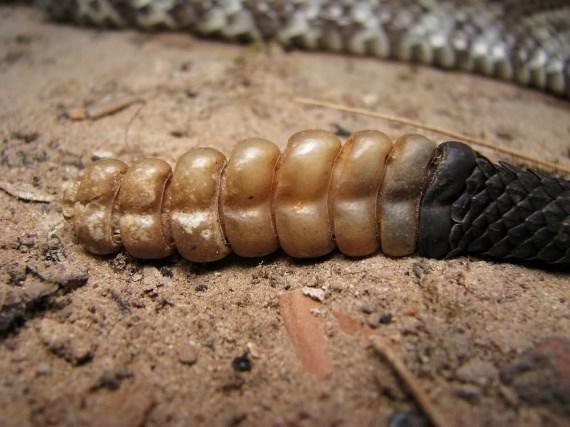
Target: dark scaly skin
x,y
523,41
507,212
451,165
472,206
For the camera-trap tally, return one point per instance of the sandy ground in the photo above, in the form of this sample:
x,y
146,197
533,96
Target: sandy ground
x,y
113,341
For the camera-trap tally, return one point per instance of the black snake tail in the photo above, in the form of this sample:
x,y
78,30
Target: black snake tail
x,y
472,206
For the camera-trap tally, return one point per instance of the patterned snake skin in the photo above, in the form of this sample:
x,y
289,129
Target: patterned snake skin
x,y
523,41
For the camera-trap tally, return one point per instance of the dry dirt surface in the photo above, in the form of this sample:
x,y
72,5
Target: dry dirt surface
x,y
101,341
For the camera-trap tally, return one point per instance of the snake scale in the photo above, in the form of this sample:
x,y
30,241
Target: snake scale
x,y
442,201
523,41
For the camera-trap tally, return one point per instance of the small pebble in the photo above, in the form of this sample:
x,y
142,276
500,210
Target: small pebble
x,y
367,307
337,286
374,320
407,419
476,371
468,392
319,312
102,154
42,368
187,353
276,281
151,279
315,282
370,99
242,363
314,293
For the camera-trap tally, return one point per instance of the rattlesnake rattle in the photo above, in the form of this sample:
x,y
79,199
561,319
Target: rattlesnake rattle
x,y
441,201
367,195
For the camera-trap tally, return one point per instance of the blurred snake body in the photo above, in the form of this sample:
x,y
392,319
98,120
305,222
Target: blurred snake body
x,y
523,41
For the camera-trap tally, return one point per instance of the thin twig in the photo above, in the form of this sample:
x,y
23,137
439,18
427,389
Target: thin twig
x,y
442,131
408,378
103,109
129,124
106,109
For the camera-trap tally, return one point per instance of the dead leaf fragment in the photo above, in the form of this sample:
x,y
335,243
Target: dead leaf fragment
x,y
306,333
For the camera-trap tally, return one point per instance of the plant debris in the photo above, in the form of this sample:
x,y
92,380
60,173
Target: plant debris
x,y
26,192
102,109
